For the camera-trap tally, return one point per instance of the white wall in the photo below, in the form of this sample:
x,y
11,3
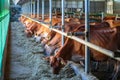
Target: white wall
x,y
110,7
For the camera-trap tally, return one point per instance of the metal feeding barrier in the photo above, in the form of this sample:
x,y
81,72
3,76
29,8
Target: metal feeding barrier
x,y
115,55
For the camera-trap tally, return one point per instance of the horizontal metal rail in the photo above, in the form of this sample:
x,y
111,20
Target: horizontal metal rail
x,y
93,46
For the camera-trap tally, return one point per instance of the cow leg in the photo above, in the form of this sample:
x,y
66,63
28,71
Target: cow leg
x,y
115,71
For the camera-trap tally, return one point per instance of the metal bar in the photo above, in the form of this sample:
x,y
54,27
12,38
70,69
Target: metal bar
x,y
31,7
92,46
43,10
63,21
38,8
102,16
50,12
76,33
79,71
55,9
116,16
87,51
34,7
117,53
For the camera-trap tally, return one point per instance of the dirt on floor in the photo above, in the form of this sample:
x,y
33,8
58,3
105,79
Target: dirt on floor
x,y
26,60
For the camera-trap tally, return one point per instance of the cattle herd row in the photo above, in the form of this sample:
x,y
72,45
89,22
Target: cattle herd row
x,y
105,34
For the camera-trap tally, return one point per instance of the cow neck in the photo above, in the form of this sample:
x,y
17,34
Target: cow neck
x,y
65,51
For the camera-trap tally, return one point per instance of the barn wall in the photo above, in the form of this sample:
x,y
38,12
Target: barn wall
x,y
97,6
110,7
68,4
117,7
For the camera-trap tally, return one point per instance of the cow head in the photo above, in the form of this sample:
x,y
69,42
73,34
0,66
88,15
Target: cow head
x,y
27,23
28,33
37,37
56,63
45,40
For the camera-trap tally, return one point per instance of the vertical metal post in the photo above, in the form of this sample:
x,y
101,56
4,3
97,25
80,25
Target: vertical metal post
x,y
87,51
43,9
55,9
50,12
34,7
31,7
116,17
102,14
63,21
71,9
38,8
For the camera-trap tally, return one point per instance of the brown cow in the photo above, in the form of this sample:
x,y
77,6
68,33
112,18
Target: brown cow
x,y
27,22
71,48
54,21
43,31
22,19
70,25
33,27
113,23
109,18
55,43
51,46
52,33
48,38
